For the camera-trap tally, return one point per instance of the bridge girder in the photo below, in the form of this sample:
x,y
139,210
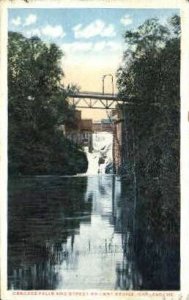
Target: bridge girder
x,y
94,100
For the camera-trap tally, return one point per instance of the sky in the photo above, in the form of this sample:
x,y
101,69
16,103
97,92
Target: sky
x,y
91,39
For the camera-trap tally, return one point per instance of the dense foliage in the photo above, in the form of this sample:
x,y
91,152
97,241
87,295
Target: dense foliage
x,y
37,107
150,80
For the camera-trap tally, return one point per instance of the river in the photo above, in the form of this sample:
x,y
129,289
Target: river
x,y
78,232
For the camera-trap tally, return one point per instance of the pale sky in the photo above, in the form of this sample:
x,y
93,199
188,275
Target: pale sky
x,y
91,39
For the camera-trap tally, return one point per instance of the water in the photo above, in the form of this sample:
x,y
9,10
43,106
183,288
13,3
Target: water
x,y
62,236
81,232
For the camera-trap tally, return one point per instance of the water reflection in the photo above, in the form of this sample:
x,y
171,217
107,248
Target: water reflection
x,y
98,247
81,233
151,260
43,214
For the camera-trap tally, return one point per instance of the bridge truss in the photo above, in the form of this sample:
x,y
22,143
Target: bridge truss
x,y
94,100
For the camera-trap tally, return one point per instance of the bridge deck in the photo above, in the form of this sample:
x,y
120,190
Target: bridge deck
x,y
90,95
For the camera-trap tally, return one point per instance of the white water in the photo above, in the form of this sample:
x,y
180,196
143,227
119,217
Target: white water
x,y
102,149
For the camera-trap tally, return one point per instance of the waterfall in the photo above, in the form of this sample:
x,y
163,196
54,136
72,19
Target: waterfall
x,y
100,159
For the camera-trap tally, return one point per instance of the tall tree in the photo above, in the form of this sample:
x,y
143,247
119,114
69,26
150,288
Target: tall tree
x,y
150,79
37,106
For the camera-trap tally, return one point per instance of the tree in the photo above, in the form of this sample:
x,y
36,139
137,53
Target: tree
x,y
150,79
37,106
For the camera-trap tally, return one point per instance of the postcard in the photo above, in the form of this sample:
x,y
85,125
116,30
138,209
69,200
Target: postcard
x,y
94,149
